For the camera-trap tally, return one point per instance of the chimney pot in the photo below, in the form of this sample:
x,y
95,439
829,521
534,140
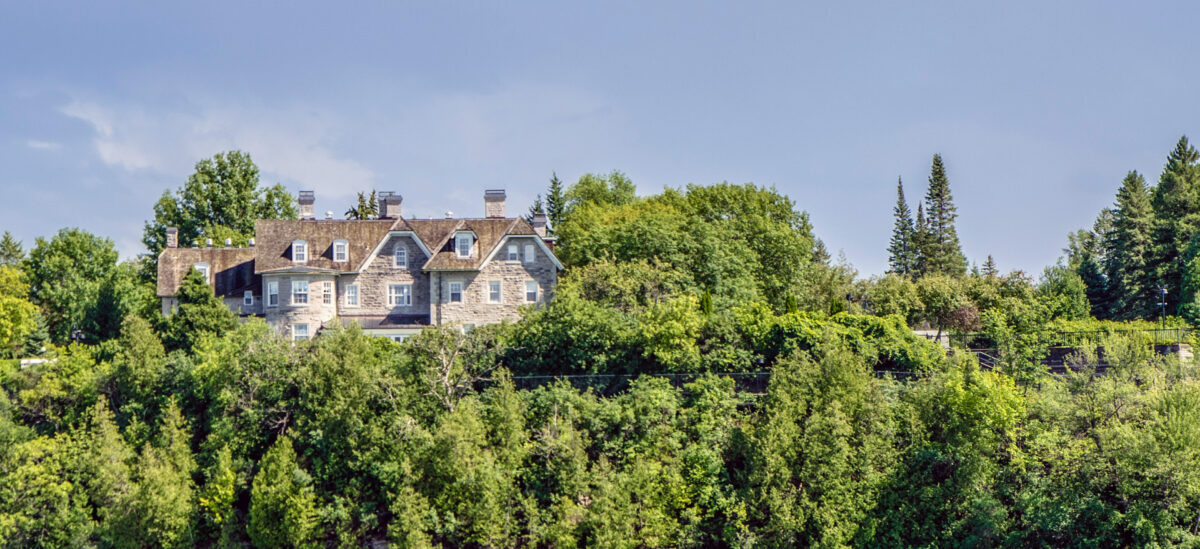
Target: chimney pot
x,y
251,242
228,242
328,214
172,237
493,203
449,214
207,242
539,224
305,202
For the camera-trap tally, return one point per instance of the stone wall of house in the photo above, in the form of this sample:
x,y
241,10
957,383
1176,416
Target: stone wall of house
x,y
374,279
512,275
235,304
316,313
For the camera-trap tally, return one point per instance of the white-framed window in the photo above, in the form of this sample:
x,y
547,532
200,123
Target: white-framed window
x,y
327,293
248,298
468,328
273,293
399,339
203,268
299,251
400,257
531,291
400,295
530,253
494,291
299,332
513,254
299,292
462,245
454,292
340,251
352,295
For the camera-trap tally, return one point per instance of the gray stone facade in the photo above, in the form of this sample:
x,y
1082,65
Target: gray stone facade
x,y
316,313
476,306
382,272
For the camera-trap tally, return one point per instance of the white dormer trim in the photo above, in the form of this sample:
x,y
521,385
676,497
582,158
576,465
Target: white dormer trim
x,y
345,245
536,239
383,241
474,241
300,248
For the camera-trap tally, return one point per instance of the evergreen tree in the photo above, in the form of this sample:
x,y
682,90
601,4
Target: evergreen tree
x,y
538,207
1127,251
282,506
944,253
556,201
900,250
367,207
919,241
1176,204
989,267
11,253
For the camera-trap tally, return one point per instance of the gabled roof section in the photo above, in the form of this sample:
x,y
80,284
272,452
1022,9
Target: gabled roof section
x,y
273,252
489,233
231,269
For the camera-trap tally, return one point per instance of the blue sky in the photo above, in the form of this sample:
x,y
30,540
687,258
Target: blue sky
x,y
1038,108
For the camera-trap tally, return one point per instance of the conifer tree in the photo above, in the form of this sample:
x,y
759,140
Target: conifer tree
x,y
556,201
282,506
989,267
943,251
900,252
11,253
919,241
1176,205
1127,251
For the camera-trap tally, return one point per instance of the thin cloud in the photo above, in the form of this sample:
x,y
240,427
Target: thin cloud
x,y
43,145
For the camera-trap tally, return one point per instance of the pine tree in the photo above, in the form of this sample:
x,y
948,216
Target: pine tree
x,y
1176,205
944,253
1127,251
989,267
538,207
919,242
900,252
11,253
367,207
556,201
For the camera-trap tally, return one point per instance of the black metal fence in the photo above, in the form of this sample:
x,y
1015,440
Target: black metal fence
x,y
1152,336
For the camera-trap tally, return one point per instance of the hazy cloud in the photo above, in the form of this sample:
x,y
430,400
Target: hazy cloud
x,y
43,145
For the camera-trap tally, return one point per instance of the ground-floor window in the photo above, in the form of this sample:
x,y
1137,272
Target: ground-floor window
x,y
299,332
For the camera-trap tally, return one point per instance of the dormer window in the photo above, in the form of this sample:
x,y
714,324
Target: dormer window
x,y
299,251
513,253
463,243
340,253
203,268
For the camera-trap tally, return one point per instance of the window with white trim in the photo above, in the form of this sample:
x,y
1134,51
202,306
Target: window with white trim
x,y
273,293
513,253
327,293
530,253
299,332
299,292
494,291
340,251
399,338
531,291
203,268
454,292
248,298
299,251
462,245
352,295
468,328
400,295
400,256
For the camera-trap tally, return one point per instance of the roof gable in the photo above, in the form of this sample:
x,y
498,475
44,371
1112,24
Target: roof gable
x,y
273,250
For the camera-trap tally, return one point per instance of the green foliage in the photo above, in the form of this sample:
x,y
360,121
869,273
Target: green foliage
x,y
901,251
222,197
1176,205
613,189
66,274
11,254
367,207
1128,251
282,504
199,314
1064,293
18,317
938,247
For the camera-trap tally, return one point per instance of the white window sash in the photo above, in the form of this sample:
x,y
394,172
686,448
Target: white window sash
x,y
400,257
450,291
339,252
272,294
495,292
352,295
299,292
513,253
530,253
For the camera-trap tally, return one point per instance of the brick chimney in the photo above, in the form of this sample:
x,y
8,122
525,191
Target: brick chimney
x,y
493,203
305,201
389,205
172,237
539,224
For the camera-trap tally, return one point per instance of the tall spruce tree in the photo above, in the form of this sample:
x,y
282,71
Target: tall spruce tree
x,y
1127,261
11,253
989,267
900,250
944,253
556,201
1176,204
919,242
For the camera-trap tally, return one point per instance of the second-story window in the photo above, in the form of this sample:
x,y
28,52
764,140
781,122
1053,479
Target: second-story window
x,y
327,293
455,292
299,292
273,293
340,253
513,254
400,295
462,245
248,298
531,291
494,291
352,295
299,251
400,257
530,254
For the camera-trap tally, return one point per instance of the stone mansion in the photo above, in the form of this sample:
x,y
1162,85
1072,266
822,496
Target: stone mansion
x,y
391,275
